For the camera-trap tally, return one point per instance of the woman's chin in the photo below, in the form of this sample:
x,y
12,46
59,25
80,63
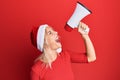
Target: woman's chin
x,y
59,45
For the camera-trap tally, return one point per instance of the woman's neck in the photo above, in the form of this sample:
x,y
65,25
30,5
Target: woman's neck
x,y
48,56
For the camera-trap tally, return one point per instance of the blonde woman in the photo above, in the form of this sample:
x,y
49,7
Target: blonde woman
x,y
54,63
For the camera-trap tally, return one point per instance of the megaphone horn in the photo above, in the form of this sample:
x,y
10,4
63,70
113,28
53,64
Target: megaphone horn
x,y
79,13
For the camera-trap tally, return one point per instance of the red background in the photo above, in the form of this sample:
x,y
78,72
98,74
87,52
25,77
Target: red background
x,y
18,16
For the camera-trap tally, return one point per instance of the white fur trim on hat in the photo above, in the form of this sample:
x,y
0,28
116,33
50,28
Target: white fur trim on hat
x,y
59,50
40,37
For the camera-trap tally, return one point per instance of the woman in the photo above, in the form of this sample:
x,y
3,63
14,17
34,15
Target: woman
x,y
53,63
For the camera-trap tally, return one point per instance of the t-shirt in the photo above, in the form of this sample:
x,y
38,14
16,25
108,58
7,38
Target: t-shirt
x,y
61,67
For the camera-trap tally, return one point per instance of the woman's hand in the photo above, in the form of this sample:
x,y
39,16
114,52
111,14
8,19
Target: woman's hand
x,y
83,28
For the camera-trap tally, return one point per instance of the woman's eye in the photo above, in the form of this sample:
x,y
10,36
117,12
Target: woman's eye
x,y
49,32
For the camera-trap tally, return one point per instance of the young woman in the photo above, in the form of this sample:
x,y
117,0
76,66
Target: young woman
x,y
53,63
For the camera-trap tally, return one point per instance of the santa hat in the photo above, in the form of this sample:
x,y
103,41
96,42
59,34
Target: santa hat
x,y
37,36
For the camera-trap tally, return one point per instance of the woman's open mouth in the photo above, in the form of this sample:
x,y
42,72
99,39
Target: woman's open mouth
x,y
57,40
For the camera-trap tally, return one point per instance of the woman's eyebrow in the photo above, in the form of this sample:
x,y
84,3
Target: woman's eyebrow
x,y
48,31
51,28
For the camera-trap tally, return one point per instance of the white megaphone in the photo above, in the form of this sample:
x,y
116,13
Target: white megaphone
x,y
80,12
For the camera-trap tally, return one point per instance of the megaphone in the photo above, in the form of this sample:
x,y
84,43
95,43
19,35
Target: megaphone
x,y
79,13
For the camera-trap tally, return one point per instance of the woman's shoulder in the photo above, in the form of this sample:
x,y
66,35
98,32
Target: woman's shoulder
x,y
39,68
38,65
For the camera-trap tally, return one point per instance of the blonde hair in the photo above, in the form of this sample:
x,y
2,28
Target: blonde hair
x,y
46,57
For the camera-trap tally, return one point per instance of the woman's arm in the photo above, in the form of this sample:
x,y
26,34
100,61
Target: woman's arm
x,y
84,30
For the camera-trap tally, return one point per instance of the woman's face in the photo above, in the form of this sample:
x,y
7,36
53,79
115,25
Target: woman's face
x,y
51,38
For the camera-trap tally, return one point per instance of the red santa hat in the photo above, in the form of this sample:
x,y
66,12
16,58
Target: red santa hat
x,y
37,36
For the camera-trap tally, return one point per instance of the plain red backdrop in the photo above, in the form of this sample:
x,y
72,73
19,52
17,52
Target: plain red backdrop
x,y
18,16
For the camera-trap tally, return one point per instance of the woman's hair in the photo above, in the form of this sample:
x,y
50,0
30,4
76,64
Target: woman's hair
x,y
45,53
44,57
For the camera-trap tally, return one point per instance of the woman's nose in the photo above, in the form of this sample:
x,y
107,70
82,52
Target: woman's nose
x,y
56,32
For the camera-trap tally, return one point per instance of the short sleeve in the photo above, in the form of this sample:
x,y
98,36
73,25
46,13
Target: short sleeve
x,y
34,75
76,57
37,71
